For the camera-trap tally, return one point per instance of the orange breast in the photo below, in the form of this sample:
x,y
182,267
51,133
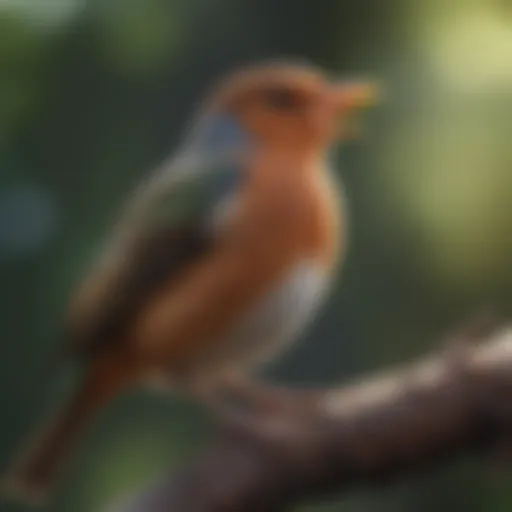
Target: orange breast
x,y
298,205
282,219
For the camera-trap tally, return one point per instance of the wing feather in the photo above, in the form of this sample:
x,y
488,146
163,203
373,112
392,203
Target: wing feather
x,y
163,229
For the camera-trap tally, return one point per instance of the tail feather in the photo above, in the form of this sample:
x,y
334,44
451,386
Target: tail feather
x,y
36,472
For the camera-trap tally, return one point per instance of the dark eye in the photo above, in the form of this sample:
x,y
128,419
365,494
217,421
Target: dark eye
x,y
281,99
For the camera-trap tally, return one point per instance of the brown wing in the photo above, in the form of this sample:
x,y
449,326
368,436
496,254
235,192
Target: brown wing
x,y
109,300
161,231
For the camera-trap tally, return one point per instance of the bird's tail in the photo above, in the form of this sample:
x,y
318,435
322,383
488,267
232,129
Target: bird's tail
x,y
35,473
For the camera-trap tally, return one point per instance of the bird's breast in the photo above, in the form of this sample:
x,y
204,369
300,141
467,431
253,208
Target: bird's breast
x,y
290,233
299,215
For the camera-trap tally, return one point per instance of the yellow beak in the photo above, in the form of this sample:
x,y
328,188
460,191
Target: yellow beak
x,y
349,97
356,95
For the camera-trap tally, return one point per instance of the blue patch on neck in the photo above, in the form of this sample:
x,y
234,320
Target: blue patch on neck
x,y
220,133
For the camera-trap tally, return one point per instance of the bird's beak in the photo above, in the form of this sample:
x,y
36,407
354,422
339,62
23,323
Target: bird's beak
x,y
350,96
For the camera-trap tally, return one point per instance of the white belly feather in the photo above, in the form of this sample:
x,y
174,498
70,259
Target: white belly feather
x,y
276,321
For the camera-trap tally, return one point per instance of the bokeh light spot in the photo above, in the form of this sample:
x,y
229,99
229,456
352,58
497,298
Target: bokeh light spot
x,y
27,220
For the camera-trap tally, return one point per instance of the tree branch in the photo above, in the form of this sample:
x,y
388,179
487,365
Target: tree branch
x,y
328,441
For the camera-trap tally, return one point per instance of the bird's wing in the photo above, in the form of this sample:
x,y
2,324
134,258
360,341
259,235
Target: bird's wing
x,y
163,229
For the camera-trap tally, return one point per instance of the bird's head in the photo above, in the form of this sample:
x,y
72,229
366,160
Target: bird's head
x,y
283,106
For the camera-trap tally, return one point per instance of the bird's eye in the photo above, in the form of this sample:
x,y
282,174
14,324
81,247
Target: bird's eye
x,y
280,99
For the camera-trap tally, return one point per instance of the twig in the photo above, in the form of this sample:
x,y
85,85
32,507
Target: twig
x,y
327,441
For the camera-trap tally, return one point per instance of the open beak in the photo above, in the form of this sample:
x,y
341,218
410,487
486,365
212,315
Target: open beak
x,y
350,96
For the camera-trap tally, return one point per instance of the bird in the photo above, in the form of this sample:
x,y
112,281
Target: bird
x,y
217,261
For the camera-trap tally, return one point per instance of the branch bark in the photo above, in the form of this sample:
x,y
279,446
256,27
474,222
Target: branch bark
x,y
327,441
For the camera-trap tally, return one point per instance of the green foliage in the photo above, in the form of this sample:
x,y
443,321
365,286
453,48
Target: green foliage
x,y
137,37
23,71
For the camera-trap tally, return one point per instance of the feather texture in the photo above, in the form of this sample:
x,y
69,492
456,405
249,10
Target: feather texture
x,y
165,227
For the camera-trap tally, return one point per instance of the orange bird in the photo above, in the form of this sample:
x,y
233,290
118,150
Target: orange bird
x,y
219,260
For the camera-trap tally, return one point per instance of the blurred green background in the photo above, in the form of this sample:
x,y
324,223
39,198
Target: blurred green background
x,y
93,94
